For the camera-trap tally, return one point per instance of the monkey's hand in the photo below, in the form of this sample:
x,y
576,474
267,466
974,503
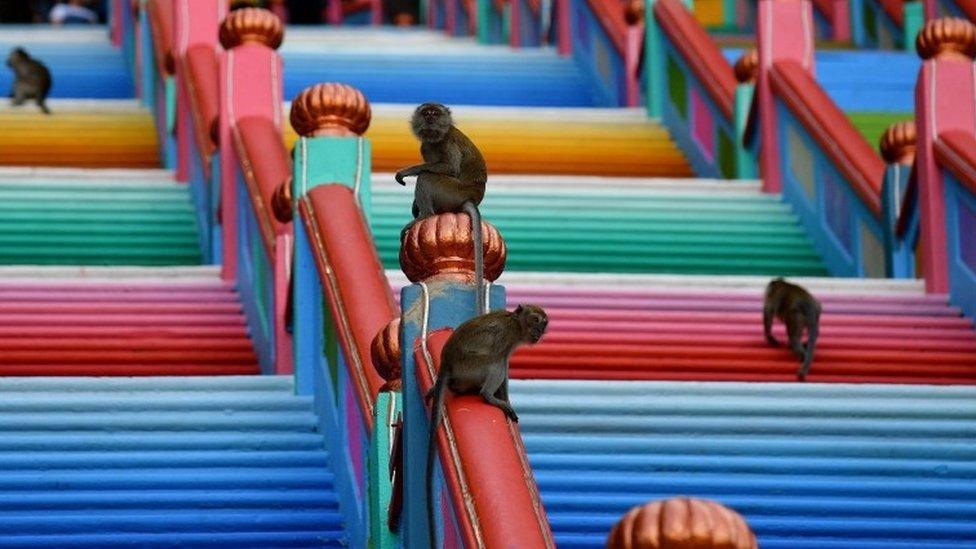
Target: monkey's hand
x,y
399,178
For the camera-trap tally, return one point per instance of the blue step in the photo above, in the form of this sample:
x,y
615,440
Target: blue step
x,y
870,466
864,80
176,461
82,61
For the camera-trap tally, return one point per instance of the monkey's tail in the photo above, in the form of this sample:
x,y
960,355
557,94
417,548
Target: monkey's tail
x,y
813,329
479,255
435,419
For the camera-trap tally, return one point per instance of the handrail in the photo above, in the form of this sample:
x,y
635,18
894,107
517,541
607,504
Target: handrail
x,y
611,17
895,10
847,149
492,483
265,165
955,150
699,51
967,8
161,22
200,68
352,276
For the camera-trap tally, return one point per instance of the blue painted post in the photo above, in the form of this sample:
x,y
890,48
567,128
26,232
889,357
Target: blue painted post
x,y
148,68
898,149
654,74
441,303
857,22
388,409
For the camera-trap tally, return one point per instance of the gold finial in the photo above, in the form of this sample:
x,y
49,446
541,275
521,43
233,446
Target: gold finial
x,y
443,245
281,201
251,25
385,351
747,67
947,38
898,143
634,12
680,523
330,109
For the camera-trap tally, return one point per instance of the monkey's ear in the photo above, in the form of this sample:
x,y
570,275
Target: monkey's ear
x,y
518,309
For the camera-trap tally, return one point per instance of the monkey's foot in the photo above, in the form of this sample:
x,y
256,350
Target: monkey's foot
x,y
772,341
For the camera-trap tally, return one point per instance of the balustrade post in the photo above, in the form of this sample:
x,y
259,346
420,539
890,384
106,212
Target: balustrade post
x,y
785,33
386,449
746,71
943,101
437,256
898,150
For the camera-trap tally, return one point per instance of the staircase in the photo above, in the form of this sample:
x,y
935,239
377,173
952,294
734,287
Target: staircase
x,y
579,224
810,466
416,66
86,217
163,461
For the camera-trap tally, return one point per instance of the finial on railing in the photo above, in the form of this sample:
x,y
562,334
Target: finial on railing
x,y
281,201
443,245
330,109
747,67
679,523
898,143
947,38
634,12
385,351
251,25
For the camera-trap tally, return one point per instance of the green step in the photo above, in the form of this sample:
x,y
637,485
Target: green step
x,y
730,233
93,223
872,125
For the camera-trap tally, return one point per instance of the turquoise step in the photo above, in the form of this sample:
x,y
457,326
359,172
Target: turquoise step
x,y
83,220
632,226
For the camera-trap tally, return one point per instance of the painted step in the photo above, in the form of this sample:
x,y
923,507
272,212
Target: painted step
x,y
567,141
679,328
418,70
126,322
85,220
197,460
79,133
549,226
82,61
809,466
864,80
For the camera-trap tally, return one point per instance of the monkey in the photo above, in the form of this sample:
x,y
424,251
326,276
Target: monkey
x,y
798,310
475,361
32,80
451,179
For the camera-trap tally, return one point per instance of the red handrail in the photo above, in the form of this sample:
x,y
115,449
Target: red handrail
x,y
200,68
264,165
841,142
610,14
956,151
491,484
353,279
162,25
699,51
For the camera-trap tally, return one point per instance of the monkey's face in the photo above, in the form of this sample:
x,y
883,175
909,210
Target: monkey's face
x,y
431,122
16,56
535,321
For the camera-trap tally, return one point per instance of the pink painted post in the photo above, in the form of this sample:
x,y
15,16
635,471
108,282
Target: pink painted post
x,y
785,33
284,364
635,40
565,46
515,23
450,16
115,32
334,12
251,85
842,20
377,12
195,23
944,101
